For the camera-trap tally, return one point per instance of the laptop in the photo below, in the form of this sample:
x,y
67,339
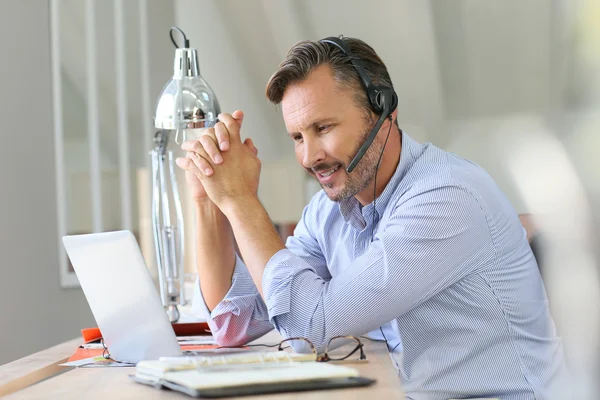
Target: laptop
x,y
122,296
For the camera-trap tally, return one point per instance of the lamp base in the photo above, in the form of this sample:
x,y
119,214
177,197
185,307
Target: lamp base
x,y
172,313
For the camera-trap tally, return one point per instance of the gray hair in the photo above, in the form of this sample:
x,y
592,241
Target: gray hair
x,y
305,56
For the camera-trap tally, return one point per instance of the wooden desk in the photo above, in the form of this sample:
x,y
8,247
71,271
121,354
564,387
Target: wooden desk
x,y
111,383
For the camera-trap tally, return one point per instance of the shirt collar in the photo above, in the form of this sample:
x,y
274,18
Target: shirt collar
x,y
350,208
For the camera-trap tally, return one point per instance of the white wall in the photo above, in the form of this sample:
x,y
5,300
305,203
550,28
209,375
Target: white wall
x,y
34,311
74,89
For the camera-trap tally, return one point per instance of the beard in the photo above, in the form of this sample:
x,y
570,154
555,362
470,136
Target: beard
x,y
360,178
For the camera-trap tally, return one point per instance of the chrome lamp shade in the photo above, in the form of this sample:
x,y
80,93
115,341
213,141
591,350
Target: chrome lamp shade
x,y
186,102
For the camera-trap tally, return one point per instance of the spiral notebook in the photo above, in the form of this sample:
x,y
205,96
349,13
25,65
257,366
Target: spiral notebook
x,y
245,374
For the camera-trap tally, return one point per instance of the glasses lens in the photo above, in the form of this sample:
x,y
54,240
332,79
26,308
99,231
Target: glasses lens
x,y
344,348
297,345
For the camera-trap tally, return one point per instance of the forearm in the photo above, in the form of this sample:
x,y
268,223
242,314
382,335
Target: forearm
x,y
215,254
256,236
241,317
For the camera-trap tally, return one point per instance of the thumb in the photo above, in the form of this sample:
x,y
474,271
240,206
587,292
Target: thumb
x,y
238,115
248,142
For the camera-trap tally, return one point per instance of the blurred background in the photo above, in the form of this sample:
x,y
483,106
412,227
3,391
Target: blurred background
x,y
512,85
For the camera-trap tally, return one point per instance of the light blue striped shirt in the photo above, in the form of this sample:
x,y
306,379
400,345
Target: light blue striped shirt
x,y
449,276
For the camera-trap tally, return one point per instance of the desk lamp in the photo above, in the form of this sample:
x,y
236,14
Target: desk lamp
x,y
186,102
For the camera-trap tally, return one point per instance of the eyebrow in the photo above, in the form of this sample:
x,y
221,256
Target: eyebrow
x,y
315,124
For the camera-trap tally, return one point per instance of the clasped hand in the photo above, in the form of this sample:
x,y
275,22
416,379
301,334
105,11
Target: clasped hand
x,y
219,165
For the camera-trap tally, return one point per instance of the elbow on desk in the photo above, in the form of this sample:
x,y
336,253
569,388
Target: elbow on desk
x,y
225,341
229,333
228,337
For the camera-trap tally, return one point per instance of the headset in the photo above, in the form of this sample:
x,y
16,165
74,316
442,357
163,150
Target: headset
x,y
382,99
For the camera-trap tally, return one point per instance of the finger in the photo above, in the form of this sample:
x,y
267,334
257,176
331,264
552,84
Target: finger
x,y
188,165
222,135
192,145
238,115
210,147
197,146
233,125
248,142
201,162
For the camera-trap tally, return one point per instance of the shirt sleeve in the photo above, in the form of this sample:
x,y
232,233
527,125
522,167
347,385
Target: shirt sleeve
x,y
242,314
431,240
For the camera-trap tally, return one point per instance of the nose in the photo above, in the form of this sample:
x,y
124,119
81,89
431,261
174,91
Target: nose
x,y
313,153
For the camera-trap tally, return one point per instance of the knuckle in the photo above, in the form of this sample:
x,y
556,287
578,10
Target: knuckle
x,y
206,143
212,134
220,128
198,160
208,132
198,147
202,164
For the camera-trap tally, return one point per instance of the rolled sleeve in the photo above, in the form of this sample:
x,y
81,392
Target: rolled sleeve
x,y
241,316
241,287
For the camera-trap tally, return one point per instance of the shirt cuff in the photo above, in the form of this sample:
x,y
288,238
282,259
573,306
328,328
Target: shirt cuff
x,y
242,291
277,281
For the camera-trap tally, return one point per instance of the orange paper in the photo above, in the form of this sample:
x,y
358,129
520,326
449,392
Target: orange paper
x,y
82,353
180,329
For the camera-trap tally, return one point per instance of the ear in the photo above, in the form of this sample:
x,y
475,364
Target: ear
x,y
395,114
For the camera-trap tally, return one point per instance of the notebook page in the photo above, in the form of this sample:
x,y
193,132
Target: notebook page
x,y
265,357
228,376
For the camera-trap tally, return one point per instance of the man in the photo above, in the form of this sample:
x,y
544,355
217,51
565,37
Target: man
x,y
415,242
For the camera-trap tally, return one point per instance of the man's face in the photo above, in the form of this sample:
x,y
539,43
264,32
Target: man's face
x,y
328,128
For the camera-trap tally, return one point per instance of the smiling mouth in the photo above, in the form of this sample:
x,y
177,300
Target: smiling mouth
x,y
327,177
327,173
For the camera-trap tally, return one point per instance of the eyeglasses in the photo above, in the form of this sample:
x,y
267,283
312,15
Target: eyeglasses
x,y
105,360
105,352
338,348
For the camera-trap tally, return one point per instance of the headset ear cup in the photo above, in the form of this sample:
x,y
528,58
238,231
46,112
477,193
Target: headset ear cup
x,y
385,99
394,96
374,97
379,102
